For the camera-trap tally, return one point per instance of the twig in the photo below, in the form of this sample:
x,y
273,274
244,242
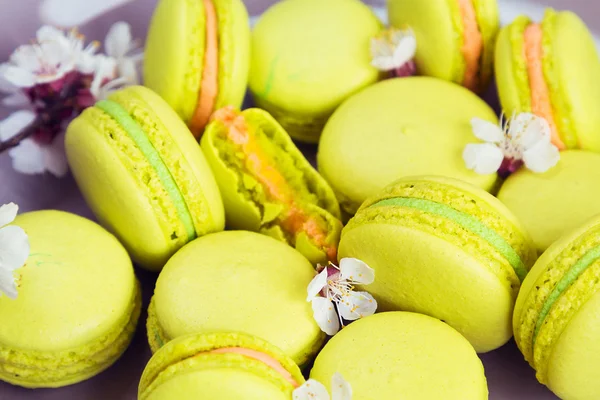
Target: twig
x,y
24,134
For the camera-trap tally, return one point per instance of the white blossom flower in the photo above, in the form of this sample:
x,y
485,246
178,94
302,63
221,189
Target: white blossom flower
x,y
14,249
31,157
333,297
393,48
524,138
314,390
126,52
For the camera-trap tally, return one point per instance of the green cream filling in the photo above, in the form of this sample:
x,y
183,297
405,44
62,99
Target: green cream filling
x,y
566,281
137,134
467,221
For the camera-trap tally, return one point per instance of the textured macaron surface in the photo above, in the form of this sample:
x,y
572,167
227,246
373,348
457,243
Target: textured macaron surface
x,y
268,186
206,353
77,306
397,128
563,280
240,281
426,237
571,187
132,144
394,354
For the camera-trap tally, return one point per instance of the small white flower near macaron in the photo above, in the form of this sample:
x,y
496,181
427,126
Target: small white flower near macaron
x,y
14,249
393,51
524,139
315,390
333,298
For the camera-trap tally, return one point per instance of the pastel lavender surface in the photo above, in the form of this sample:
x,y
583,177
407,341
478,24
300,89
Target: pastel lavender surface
x,y
509,376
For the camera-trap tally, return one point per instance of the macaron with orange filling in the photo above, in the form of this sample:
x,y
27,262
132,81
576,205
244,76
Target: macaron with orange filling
x,y
455,38
197,56
268,186
225,365
551,68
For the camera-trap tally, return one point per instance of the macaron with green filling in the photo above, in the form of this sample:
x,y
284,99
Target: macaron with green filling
x,y
237,281
557,201
143,175
197,57
444,248
77,304
308,56
397,128
219,365
455,38
552,69
557,315
268,186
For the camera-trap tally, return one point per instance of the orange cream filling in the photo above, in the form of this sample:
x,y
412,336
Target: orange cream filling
x,y
295,219
540,93
262,357
472,48
209,84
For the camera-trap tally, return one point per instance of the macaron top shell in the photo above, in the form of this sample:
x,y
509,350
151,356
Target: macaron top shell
x,y
241,281
309,55
552,203
396,128
143,175
440,32
174,54
77,283
402,355
571,71
556,315
207,366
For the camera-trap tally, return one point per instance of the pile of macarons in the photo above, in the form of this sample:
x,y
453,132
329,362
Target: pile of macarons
x,y
461,225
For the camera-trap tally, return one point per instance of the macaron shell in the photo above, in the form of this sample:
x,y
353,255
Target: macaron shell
x,y
394,354
437,27
234,52
576,85
397,128
488,19
217,384
174,53
464,293
253,283
573,365
307,73
571,187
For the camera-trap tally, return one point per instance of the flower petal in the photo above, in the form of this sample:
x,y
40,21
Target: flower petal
x,y
19,77
69,13
16,99
541,157
340,389
325,315
405,50
311,390
487,131
54,156
355,270
118,40
15,123
357,305
14,248
8,213
483,158
317,284
8,284
28,157
534,130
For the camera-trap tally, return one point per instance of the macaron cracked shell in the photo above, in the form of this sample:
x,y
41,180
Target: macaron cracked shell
x,y
443,248
241,281
268,186
552,69
197,56
77,307
455,38
557,316
143,175
224,366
